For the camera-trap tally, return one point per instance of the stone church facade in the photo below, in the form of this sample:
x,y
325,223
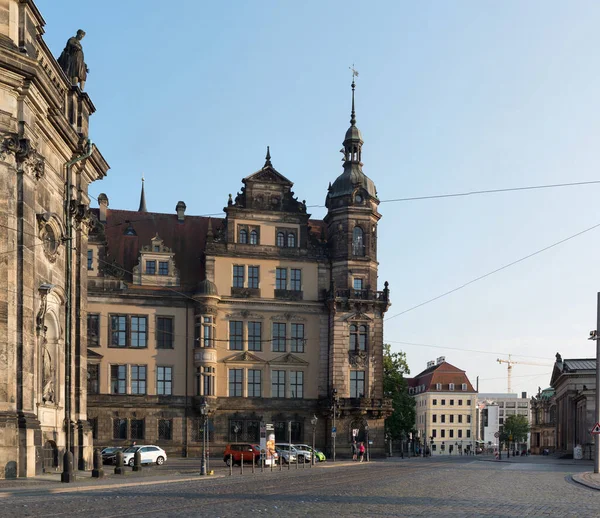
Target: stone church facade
x,y
265,315
43,126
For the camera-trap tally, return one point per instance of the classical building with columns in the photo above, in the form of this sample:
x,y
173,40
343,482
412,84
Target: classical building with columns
x,y
265,315
43,249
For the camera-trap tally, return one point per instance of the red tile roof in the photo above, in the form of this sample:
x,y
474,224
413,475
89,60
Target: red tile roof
x,y
443,373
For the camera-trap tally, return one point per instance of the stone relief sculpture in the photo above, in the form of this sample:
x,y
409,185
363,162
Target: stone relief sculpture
x,y
47,372
71,60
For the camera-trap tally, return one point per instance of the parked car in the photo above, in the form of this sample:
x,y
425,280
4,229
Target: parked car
x,y
109,454
275,455
150,454
241,451
319,455
286,454
303,454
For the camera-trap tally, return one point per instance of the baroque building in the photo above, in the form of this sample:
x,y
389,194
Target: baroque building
x,y
265,315
446,409
46,166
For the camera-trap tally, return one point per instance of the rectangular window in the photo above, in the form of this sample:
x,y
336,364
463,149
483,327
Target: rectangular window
x,y
460,418
164,380
358,284
207,330
452,402
254,383
253,276
434,433
118,330
438,386
139,331
443,416
90,259
150,267
297,338
434,418
236,338
357,384
435,401
281,279
93,330
468,418
464,386
164,332
208,377
137,428
138,379
163,268
443,434
297,384
451,386
238,276
468,434
460,434
118,379
460,402
236,382
451,418
468,402
443,402
278,337
254,336
165,429
93,378
119,428
277,383
295,279
451,434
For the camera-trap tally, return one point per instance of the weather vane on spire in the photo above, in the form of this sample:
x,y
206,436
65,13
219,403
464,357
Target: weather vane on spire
x,y
354,71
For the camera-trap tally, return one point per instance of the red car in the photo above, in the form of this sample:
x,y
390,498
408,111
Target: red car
x,y
239,451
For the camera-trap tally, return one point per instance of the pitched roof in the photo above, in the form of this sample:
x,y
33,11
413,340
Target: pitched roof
x,y
186,238
443,373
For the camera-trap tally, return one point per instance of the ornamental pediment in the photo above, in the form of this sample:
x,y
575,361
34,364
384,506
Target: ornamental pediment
x,y
243,357
359,316
268,174
288,359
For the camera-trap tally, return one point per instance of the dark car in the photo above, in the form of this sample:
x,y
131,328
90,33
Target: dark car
x,y
109,454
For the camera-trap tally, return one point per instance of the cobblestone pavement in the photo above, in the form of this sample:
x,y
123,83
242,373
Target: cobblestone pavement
x,y
419,487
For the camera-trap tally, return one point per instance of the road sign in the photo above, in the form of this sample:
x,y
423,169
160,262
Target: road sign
x,y
497,434
354,432
333,434
333,429
596,429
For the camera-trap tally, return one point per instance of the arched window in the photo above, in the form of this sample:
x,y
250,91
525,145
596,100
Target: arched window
x,y
291,242
358,244
280,239
243,236
358,337
254,237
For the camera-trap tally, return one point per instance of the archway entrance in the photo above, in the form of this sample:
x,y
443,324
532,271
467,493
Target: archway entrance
x,y
50,453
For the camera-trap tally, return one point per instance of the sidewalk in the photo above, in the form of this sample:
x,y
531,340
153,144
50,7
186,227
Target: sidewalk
x,y
588,478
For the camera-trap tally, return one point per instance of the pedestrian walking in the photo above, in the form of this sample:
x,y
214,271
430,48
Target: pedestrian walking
x,y
361,450
354,450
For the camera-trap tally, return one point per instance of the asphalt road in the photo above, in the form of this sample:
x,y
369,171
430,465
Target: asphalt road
x,y
459,486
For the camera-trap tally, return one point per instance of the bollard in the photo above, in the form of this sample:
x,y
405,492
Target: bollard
x,y
304,464
137,461
281,464
230,464
67,475
253,464
119,469
297,461
242,465
289,461
262,463
98,471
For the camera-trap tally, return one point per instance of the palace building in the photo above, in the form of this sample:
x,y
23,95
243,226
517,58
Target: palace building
x,y
262,316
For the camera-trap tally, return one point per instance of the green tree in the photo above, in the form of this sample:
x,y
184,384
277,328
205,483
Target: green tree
x,y
515,429
395,387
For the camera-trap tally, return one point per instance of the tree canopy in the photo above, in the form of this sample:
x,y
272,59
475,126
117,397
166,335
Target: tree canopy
x,y
515,428
395,387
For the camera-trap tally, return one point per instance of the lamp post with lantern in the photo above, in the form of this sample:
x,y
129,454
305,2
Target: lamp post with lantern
x,y
313,421
204,412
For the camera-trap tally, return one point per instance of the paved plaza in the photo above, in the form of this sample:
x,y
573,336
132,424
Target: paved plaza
x,y
457,486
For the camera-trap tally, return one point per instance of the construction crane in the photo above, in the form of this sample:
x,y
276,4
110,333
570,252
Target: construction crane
x,y
510,362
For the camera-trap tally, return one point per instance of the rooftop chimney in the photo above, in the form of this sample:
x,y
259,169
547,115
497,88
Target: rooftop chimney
x,y
441,359
430,364
180,208
103,203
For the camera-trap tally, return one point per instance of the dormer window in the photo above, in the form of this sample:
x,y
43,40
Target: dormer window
x,y
243,236
451,386
438,386
157,248
156,265
291,240
150,267
163,268
464,386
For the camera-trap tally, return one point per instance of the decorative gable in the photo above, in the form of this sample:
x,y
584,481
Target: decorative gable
x,y
156,265
288,359
243,357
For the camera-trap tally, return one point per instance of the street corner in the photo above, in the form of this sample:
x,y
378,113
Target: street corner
x,y
588,479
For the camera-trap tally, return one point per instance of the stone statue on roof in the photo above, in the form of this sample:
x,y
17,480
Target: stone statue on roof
x,y
71,60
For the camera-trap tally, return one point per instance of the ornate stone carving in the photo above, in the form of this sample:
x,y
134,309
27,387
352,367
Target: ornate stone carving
x,y
72,62
27,158
358,359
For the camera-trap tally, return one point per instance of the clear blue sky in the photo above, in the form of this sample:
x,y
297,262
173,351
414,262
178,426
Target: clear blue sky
x,y
452,96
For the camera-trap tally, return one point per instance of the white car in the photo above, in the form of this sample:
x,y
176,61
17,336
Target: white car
x,y
150,454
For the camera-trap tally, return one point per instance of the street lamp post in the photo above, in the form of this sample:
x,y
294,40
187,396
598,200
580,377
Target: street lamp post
x,y
367,439
594,336
431,446
313,421
204,412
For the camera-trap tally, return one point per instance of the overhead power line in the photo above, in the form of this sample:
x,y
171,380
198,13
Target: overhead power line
x,y
492,272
